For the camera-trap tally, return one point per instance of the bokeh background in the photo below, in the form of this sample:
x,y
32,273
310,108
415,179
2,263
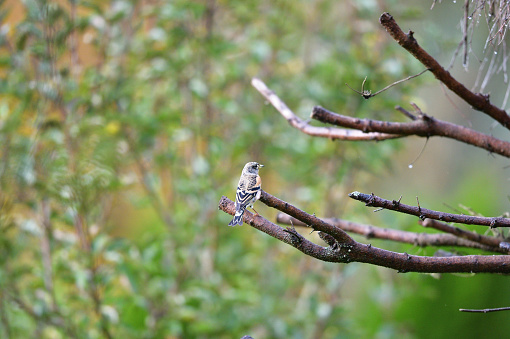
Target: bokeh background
x,y
122,123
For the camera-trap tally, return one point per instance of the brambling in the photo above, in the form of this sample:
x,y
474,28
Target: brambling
x,y
248,191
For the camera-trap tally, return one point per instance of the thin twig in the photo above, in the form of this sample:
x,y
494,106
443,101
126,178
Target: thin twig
x,y
419,154
465,42
486,310
454,56
368,94
406,112
492,242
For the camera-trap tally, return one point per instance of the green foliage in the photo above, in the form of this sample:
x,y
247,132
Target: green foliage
x,y
122,124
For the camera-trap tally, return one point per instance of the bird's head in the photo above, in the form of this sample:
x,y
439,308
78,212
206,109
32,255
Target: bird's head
x,y
252,168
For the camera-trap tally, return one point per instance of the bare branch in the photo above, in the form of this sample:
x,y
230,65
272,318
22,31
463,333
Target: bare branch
x,y
486,310
465,27
406,113
310,220
286,236
479,101
422,213
472,236
424,126
356,252
417,239
302,125
341,247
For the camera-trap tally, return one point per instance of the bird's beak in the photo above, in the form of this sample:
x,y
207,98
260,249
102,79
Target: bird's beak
x,y
260,165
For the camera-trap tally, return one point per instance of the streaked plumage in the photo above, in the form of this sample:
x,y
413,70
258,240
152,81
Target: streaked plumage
x,y
248,191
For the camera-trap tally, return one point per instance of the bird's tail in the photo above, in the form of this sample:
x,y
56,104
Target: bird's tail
x,y
238,218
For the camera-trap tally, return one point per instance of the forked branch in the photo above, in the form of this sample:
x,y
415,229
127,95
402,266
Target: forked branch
x,y
491,244
341,247
374,130
423,126
305,127
352,251
478,101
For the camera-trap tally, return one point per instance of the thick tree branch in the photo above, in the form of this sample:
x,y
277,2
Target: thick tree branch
x,y
478,101
375,201
303,126
424,126
310,220
287,236
357,252
414,238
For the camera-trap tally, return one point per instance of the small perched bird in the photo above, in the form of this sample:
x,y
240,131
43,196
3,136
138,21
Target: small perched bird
x,y
248,191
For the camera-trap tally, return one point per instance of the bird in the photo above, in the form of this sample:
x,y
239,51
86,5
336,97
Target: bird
x,y
248,191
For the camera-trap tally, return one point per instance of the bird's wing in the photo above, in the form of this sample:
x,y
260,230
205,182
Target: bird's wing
x,y
246,191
